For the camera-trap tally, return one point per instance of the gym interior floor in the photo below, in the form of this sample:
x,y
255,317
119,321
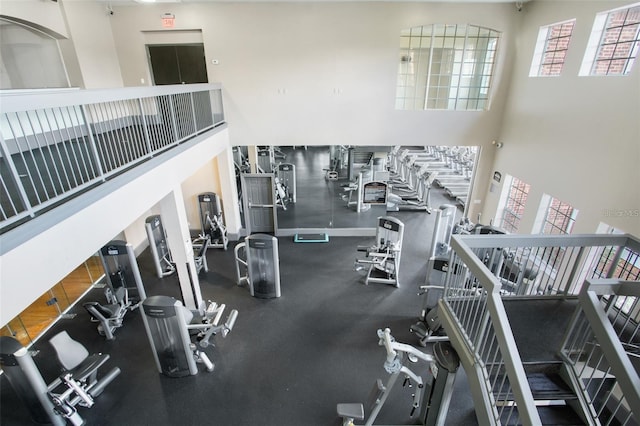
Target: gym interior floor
x,y
288,361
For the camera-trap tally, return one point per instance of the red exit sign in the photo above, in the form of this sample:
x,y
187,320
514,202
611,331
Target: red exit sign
x,y
168,20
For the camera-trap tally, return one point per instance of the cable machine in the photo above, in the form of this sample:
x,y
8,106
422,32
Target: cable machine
x,y
430,399
212,221
158,246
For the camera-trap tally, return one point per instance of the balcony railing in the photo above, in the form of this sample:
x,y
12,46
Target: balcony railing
x,y
57,144
487,271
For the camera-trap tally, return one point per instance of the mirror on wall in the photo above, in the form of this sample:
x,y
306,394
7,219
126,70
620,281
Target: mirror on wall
x,y
323,187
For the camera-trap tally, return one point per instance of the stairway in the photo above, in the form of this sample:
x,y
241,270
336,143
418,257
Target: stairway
x,y
538,328
556,401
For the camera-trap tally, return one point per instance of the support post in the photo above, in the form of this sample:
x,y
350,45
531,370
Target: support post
x,y
174,219
229,191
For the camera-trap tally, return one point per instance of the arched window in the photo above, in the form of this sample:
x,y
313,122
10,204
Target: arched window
x,y
29,58
446,67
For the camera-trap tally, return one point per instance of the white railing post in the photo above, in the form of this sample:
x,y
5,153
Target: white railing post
x,y
16,178
92,143
145,129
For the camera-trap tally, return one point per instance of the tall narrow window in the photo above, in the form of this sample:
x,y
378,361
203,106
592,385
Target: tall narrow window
x,y
614,42
512,203
551,49
446,67
559,216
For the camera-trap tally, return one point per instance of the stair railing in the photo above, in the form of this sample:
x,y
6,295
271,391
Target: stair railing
x,y
485,269
482,337
599,346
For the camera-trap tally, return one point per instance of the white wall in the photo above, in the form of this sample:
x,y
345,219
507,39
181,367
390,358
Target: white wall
x,y
205,179
321,73
574,138
46,14
78,236
84,33
90,29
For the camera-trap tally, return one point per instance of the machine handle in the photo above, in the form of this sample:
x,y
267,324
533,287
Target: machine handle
x,y
387,343
228,326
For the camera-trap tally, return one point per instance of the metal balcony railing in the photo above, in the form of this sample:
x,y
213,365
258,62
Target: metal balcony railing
x,y
57,144
487,271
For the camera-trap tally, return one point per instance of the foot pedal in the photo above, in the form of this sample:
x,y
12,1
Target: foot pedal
x,y
351,410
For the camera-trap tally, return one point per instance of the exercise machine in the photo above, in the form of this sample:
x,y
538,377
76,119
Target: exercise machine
x,y
26,380
266,159
286,174
430,399
121,270
429,328
419,200
200,247
258,265
178,335
282,194
212,221
383,258
158,246
110,316
79,383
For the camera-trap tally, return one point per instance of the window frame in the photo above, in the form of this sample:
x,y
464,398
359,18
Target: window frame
x,y
542,49
513,188
598,39
465,56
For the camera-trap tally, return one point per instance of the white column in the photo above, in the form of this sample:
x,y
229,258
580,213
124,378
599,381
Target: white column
x,y
253,158
227,176
174,219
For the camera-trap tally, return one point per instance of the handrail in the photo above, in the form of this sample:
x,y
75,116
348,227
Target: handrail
x,y
46,98
484,270
594,350
495,320
55,144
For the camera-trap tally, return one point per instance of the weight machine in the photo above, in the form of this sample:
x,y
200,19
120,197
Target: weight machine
x,y
178,335
429,327
122,276
212,221
158,246
79,377
111,315
383,257
286,174
432,399
77,385
258,265
26,380
121,269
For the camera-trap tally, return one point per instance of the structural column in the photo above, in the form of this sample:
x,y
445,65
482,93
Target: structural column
x,y
227,176
174,219
252,153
